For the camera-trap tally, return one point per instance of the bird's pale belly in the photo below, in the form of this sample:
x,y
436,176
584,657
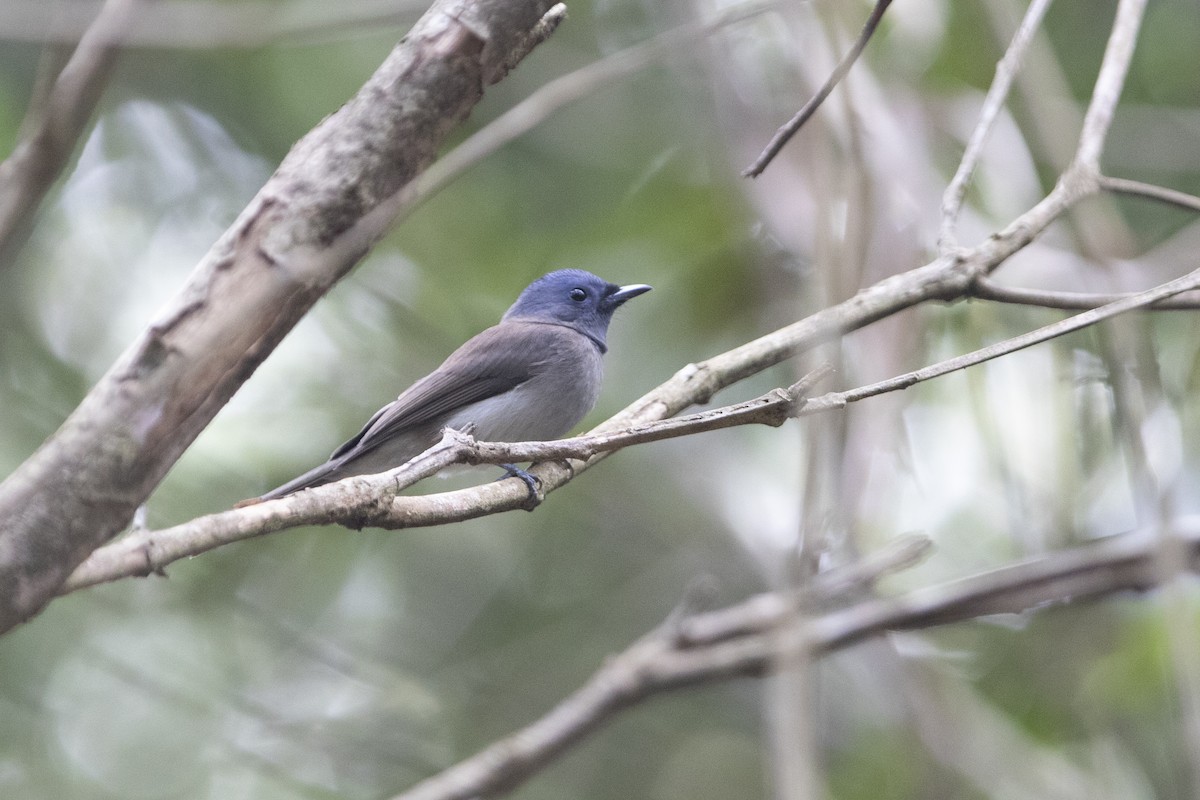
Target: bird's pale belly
x,y
538,409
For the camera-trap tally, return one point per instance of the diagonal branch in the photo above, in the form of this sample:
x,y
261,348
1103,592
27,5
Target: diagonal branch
x,y
790,128
949,277
1109,83
1173,197
54,124
334,195
1186,283
656,663
756,635
997,95
987,289
371,500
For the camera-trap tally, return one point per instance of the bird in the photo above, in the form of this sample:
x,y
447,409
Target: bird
x,y
531,377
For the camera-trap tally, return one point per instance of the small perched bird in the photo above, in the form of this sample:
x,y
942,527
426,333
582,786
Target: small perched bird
x,y
530,378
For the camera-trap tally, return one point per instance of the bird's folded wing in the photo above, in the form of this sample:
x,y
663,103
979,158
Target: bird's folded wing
x,y
473,373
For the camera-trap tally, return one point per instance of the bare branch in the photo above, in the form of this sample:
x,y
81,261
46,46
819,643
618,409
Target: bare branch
x,y
335,194
203,24
660,661
997,96
1189,282
364,500
1174,197
789,129
1109,83
987,289
54,124
750,638
370,500
569,88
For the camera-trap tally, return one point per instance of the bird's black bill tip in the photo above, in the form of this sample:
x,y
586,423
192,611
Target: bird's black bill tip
x,y
627,293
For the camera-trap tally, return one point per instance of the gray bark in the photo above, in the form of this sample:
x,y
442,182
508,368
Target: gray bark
x,y
333,196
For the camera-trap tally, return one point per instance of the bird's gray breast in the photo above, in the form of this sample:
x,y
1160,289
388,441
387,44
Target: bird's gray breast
x,y
561,390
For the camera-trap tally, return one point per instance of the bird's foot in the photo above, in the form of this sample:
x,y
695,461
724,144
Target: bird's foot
x,y
532,482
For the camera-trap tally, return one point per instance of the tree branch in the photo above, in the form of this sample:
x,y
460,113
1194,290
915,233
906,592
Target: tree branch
x,y
54,124
203,24
948,277
660,661
790,128
333,196
364,500
371,500
755,635
997,96
987,289
1189,282
1188,202
1109,83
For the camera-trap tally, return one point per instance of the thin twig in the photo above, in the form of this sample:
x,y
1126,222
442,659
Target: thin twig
x,y
997,95
1109,83
987,289
54,125
202,24
1174,197
566,89
1188,282
789,129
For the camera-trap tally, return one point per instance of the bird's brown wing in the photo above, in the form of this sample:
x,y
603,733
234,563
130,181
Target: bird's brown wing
x,y
484,367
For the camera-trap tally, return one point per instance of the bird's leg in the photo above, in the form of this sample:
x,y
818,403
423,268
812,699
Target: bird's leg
x,y
531,482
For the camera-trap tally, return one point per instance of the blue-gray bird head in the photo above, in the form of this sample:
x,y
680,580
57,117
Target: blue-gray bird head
x,y
576,299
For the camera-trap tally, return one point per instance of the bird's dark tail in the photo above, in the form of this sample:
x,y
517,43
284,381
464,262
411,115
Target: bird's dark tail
x,y
317,476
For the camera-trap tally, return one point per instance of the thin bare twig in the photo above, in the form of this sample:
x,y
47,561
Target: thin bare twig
x,y
566,89
53,125
987,289
1109,83
1174,197
1189,282
202,24
789,129
997,96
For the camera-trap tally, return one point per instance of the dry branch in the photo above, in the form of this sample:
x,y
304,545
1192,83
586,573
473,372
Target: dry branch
x,y
364,500
55,122
793,125
334,195
372,500
753,636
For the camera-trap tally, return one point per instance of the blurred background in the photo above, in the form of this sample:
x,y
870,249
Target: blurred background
x,y
325,663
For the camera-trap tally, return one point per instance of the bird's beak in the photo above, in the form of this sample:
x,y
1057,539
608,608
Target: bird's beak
x,y
626,293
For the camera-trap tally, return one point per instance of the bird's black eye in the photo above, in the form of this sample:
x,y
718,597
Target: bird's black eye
x,y
578,295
